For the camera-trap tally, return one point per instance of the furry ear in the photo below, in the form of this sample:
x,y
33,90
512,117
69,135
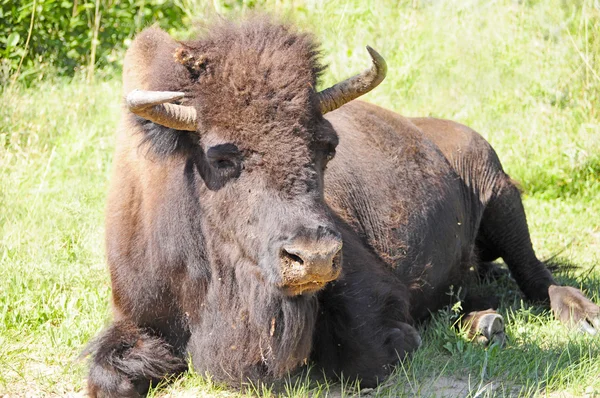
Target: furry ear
x,y
150,66
137,68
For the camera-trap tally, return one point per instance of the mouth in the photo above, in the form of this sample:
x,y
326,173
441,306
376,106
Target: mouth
x,y
304,288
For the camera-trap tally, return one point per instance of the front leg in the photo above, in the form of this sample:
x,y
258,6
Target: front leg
x,y
363,327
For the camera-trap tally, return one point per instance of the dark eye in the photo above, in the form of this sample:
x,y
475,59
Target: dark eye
x,y
224,156
324,146
223,163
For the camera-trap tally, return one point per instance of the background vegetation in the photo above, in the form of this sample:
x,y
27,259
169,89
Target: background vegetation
x,y
526,74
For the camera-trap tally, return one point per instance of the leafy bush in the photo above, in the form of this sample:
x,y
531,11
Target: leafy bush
x,y
62,36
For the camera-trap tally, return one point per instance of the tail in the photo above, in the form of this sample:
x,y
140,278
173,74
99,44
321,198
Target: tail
x,y
126,360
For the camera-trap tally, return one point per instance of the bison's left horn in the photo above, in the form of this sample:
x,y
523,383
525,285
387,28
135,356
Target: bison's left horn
x,y
352,88
156,107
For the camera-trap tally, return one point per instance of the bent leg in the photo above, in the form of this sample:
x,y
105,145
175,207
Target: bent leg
x,y
358,339
363,326
127,359
503,232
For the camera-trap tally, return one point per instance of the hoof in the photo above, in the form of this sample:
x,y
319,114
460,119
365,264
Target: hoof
x,y
590,326
571,307
486,327
491,330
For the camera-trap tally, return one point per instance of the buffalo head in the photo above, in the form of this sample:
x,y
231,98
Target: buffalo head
x,y
260,149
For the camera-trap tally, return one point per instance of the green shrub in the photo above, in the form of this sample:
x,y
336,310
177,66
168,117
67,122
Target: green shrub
x,y
67,35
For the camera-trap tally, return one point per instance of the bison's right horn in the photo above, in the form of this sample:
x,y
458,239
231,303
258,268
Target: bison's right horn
x,y
155,106
352,88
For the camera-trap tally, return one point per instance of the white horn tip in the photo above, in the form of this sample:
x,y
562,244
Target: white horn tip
x,y
143,99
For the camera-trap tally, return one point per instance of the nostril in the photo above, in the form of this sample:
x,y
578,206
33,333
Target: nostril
x,y
291,257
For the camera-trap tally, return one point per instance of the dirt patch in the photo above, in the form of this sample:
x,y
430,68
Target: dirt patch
x,y
441,387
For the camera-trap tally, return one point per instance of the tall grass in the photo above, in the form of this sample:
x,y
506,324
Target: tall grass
x,y
524,74
54,161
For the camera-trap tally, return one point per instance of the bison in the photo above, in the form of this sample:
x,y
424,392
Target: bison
x,y
255,225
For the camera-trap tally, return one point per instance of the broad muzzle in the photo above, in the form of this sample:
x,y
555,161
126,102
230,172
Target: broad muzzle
x,y
309,262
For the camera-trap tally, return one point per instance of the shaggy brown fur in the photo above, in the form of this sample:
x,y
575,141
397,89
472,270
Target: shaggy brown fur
x,y
197,221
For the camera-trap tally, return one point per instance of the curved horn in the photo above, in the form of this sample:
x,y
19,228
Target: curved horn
x,y
337,95
155,106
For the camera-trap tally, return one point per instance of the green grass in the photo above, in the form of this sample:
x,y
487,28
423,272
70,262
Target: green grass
x,y
525,74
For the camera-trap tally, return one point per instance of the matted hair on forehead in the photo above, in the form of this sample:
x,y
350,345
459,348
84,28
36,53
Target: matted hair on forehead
x,y
256,69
